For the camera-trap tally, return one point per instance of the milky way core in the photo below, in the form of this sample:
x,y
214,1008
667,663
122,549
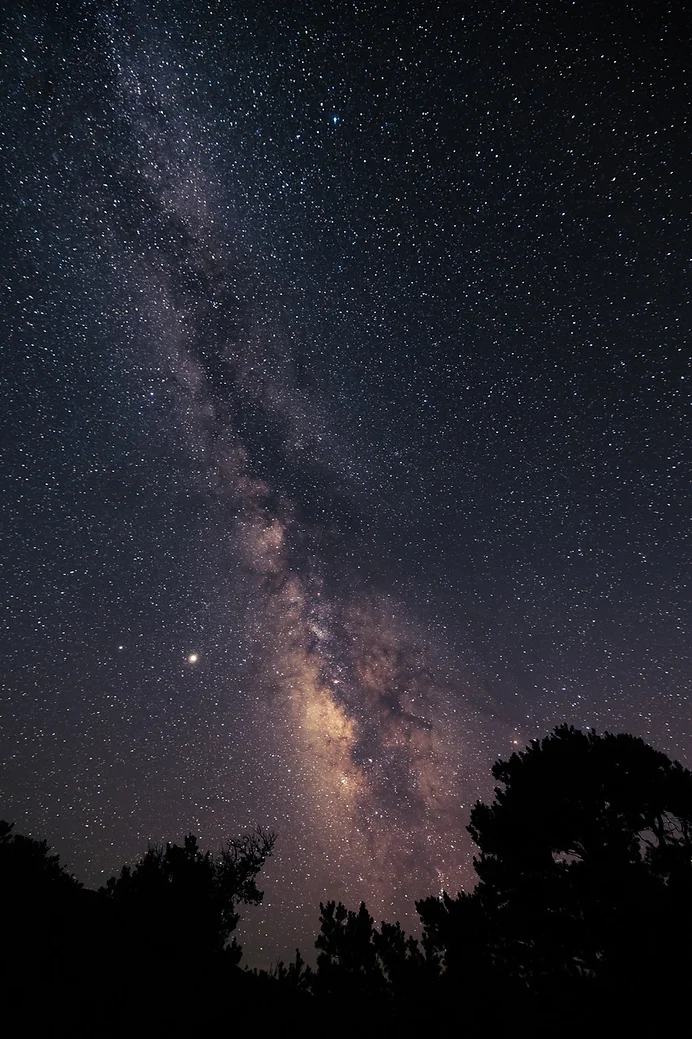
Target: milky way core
x,y
360,708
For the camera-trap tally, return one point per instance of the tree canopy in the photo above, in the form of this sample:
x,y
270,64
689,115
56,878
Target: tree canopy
x,y
584,896
585,871
181,898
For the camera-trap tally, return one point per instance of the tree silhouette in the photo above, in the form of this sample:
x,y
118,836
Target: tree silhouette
x,y
28,870
155,943
183,901
45,925
401,960
380,978
584,872
584,897
347,961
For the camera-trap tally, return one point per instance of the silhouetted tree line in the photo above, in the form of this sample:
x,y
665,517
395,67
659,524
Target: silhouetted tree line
x,y
581,919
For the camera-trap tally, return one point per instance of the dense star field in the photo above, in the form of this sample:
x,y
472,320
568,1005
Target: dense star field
x,y
343,427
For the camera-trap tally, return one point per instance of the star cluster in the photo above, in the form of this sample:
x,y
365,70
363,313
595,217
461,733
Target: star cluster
x,y
344,433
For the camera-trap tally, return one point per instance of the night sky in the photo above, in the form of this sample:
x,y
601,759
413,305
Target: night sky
x,y
344,443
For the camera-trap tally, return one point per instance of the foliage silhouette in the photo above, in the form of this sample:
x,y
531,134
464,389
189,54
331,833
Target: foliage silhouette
x,y
152,945
347,961
380,979
355,959
45,923
27,866
584,896
180,899
584,876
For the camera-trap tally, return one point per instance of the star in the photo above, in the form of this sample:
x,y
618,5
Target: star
x,y
401,429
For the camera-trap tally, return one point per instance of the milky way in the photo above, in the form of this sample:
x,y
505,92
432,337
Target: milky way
x,y
365,725
345,431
